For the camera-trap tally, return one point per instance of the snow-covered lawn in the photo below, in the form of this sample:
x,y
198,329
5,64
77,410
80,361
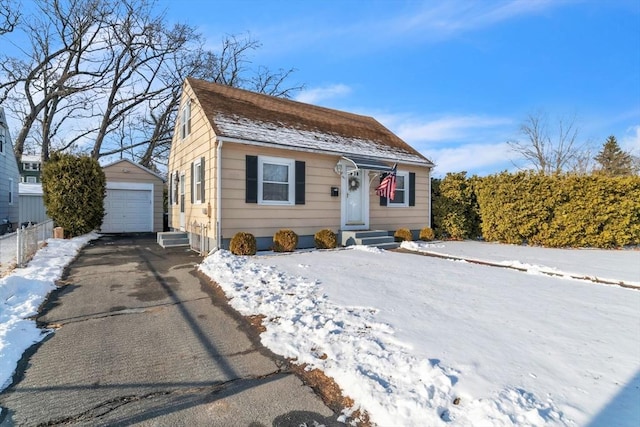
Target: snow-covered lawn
x,y
417,340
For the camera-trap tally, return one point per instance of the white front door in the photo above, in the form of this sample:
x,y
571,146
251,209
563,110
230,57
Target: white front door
x,y
355,211
182,220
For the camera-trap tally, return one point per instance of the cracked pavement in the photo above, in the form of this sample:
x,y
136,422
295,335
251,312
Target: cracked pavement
x,y
139,338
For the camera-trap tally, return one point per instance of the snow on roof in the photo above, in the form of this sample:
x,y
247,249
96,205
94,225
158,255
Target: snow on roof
x,y
253,117
25,189
245,129
29,158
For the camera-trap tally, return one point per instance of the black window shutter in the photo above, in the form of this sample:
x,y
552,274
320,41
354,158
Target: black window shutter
x,y
251,193
412,189
202,186
300,182
383,200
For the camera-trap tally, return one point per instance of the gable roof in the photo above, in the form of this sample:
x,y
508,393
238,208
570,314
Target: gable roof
x,y
130,163
250,117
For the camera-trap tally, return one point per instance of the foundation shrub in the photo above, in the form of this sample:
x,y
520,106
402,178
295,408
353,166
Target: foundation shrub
x,y
325,239
243,244
403,234
427,234
285,241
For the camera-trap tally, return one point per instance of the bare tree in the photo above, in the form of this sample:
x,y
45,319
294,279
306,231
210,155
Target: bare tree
x,y
9,16
60,62
105,77
545,152
231,67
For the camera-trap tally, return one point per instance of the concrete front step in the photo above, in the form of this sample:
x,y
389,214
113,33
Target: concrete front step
x,y
169,239
377,238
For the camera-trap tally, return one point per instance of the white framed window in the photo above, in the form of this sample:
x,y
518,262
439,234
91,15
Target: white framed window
x,y
2,137
31,180
276,185
11,196
185,122
401,198
197,181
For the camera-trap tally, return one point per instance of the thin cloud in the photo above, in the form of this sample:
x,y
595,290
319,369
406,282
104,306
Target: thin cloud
x,y
319,94
630,142
475,159
451,128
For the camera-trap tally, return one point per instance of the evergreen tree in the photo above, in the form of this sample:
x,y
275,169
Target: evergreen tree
x,y
74,189
613,161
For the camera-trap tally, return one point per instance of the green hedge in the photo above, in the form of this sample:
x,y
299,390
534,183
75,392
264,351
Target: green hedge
x,y
555,211
454,207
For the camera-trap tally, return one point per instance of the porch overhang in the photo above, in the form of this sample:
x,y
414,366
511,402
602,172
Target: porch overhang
x,y
368,163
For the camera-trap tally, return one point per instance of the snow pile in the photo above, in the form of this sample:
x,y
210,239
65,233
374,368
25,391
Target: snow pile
x,y
21,294
417,344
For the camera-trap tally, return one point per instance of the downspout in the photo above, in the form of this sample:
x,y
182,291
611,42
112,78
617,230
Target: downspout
x,y
218,194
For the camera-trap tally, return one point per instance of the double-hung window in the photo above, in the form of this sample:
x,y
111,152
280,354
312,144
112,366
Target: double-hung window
x,y
185,122
276,185
401,196
197,181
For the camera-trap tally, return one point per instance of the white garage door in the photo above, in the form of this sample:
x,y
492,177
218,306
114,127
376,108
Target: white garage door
x,y
127,211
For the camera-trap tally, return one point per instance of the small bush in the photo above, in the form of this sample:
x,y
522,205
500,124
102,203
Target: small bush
x,y
403,234
243,244
285,241
427,234
325,239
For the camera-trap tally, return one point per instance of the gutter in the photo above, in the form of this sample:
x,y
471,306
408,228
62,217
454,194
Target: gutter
x,y
219,143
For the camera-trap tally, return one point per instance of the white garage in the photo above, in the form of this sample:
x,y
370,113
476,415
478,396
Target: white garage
x,y
128,208
134,199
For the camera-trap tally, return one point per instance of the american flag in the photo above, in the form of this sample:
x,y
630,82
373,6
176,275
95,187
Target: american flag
x,y
387,187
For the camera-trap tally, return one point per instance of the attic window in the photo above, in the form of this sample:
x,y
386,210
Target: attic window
x,y
185,128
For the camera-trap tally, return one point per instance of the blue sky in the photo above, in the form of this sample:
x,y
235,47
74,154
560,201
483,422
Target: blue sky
x,y
453,78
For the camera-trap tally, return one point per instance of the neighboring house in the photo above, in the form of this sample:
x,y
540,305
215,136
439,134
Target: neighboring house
x,y
242,161
30,169
9,177
32,208
134,200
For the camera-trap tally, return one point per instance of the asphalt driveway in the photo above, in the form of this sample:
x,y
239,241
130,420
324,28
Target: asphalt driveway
x,y
141,339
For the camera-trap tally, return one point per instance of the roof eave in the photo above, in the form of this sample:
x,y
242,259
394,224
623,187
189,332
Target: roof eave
x,y
225,139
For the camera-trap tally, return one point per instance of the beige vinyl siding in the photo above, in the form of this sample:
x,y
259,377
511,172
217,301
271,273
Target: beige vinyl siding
x,y
127,172
391,218
198,144
319,211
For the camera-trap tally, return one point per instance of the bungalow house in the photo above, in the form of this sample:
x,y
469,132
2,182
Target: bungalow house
x,y
243,161
9,178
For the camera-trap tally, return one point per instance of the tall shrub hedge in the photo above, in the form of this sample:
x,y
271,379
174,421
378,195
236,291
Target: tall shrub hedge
x,y
74,189
560,211
454,207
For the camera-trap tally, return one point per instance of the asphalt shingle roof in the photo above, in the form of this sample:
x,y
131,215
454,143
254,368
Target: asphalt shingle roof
x,y
245,115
